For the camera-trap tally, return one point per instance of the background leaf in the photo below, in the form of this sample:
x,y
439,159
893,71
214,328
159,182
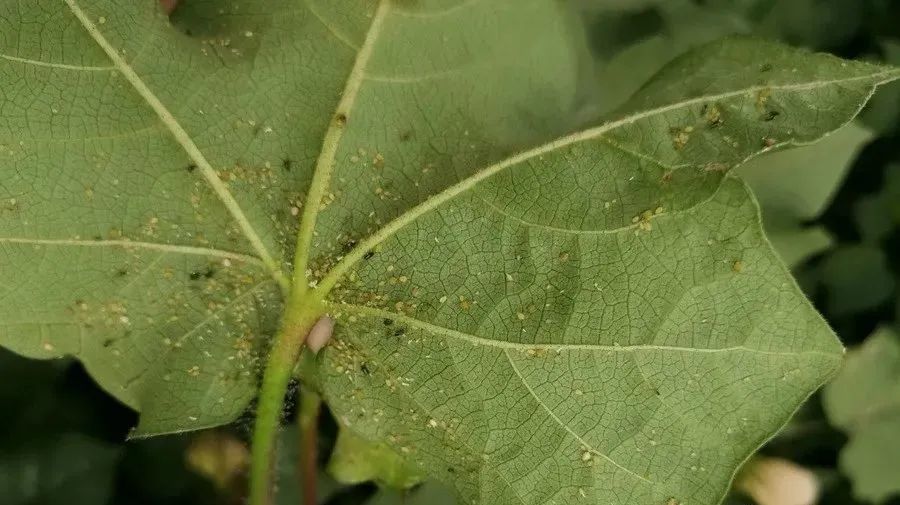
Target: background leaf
x,y
354,460
864,401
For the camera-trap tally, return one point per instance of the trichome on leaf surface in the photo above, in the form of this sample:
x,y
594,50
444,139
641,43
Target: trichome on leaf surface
x,y
527,308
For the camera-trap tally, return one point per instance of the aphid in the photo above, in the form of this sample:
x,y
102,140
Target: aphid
x,y
369,255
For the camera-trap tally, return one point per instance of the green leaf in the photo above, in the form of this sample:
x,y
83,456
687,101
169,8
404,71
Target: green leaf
x,y
355,460
596,318
151,180
599,318
429,493
864,401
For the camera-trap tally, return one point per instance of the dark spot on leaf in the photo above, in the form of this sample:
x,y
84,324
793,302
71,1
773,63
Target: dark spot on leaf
x,y
349,245
388,322
98,237
108,342
191,167
399,332
287,164
122,272
766,67
208,273
404,136
771,115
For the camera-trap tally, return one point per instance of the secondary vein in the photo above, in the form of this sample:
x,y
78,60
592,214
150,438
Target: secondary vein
x,y
181,136
470,182
133,244
506,345
325,162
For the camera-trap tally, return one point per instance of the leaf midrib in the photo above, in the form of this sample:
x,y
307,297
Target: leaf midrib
x,y
461,187
181,136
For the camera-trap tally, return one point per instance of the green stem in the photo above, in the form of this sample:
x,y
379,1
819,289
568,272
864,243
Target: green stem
x,y
301,314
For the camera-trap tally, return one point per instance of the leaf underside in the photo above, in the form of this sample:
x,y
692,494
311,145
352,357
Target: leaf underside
x,y
598,318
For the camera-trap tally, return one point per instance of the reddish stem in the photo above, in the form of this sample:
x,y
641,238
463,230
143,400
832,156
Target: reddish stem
x,y
168,5
308,422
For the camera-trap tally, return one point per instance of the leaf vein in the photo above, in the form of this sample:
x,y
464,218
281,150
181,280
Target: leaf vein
x,y
131,244
64,66
468,183
183,138
501,344
560,422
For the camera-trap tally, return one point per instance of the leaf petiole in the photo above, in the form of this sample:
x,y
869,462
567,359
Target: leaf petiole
x,y
304,308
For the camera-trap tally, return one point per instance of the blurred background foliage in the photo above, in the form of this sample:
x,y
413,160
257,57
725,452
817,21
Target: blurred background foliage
x,y
832,210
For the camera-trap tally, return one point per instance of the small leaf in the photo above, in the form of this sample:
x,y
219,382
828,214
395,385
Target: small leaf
x,y
429,493
220,457
864,401
355,460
